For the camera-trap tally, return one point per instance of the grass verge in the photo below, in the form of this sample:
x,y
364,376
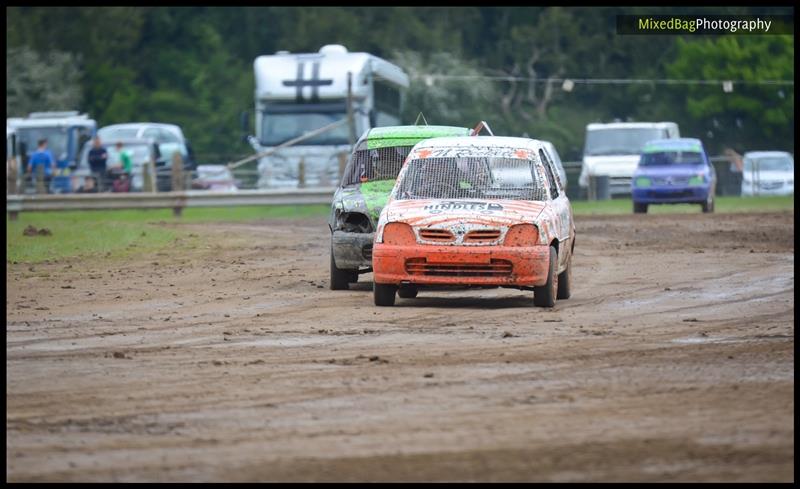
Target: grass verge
x,y
723,205
120,233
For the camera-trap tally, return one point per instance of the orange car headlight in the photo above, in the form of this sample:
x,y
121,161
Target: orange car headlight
x,y
398,233
522,235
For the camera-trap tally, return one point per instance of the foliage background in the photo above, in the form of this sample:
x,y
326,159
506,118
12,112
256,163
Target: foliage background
x,y
193,66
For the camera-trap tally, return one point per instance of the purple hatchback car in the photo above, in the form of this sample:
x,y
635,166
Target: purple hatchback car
x,y
674,171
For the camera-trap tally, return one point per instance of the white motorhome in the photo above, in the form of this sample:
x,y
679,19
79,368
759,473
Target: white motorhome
x,y
298,93
614,149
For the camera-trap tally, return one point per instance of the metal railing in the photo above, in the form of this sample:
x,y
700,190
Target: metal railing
x,y
177,191
177,200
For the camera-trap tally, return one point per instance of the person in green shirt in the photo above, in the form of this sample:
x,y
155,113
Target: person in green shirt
x,y
124,158
120,172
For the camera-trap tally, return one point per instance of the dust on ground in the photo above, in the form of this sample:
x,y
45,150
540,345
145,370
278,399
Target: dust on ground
x,y
232,361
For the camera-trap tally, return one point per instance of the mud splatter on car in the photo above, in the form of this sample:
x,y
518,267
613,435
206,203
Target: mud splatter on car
x,y
483,211
368,178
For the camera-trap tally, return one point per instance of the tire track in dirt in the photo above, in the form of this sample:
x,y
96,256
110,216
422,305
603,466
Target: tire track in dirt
x,y
233,361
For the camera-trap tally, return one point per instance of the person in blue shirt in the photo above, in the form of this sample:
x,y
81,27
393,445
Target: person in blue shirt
x,y
42,157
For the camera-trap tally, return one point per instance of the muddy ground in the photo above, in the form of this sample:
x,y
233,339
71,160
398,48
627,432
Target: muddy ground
x,y
226,358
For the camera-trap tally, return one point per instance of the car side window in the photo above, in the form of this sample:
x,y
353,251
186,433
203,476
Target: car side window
x,y
165,136
150,133
548,169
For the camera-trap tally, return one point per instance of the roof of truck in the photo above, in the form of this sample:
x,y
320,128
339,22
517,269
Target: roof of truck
x,y
50,119
322,74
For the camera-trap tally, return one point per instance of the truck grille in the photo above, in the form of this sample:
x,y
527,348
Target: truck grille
x,y
482,236
431,234
496,268
671,181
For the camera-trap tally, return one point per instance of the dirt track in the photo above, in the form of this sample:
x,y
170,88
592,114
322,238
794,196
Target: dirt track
x,y
232,361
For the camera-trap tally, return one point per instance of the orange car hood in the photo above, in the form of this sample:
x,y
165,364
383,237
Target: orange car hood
x,y
473,211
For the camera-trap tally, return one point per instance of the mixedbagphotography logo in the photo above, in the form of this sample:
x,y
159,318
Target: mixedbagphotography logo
x,y
705,24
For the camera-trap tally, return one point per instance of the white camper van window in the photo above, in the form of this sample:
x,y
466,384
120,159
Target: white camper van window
x,y
278,128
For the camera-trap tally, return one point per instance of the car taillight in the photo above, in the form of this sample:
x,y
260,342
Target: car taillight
x,y
522,235
398,233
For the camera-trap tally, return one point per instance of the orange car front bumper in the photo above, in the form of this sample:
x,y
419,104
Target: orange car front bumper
x,y
460,265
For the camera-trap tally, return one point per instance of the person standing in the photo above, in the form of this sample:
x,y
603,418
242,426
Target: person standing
x,y
124,159
736,171
98,156
120,172
89,186
42,158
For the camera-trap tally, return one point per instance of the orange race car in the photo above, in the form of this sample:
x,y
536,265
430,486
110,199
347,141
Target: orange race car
x,y
482,211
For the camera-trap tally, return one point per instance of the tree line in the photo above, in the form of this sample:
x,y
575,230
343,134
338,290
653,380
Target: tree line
x,y
193,66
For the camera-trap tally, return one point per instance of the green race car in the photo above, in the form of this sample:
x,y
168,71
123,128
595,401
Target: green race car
x,y
367,181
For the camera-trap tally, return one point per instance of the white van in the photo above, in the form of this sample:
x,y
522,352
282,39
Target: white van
x,y
614,149
768,173
169,137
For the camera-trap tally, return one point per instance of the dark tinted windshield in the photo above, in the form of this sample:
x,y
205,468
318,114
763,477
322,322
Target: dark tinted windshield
x,y
631,141
56,140
280,123
665,158
375,164
471,178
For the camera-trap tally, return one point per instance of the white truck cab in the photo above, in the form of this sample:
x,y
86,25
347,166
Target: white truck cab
x,y
298,93
65,132
613,149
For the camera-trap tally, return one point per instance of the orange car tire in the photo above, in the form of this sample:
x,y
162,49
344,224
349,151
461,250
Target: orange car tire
x,y
384,294
408,292
565,281
545,296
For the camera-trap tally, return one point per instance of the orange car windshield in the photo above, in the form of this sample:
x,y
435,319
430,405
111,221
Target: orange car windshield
x,y
486,178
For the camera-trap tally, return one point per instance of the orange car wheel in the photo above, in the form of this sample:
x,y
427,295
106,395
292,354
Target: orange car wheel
x,y
384,294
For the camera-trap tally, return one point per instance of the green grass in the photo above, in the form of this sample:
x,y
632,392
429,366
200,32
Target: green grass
x,y
117,234
74,234
253,212
722,205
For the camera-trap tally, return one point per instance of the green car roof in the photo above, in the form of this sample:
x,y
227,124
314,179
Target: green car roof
x,y
388,136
